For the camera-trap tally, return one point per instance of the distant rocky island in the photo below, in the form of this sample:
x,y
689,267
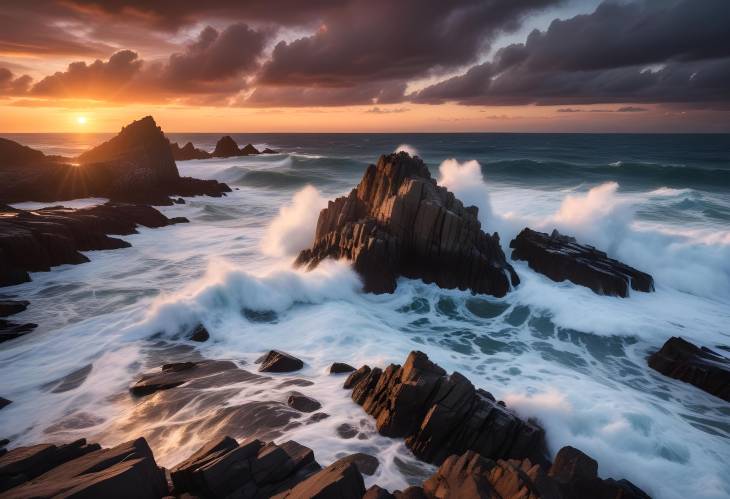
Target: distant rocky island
x,y
226,147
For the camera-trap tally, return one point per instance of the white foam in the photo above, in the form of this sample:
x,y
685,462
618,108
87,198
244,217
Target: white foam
x,y
293,228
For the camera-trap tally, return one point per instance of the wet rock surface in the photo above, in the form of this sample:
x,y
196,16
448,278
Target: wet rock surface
x,y
398,222
303,403
11,307
81,470
35,241
223,468
699,366
176,374
275,361
572,476
340,480
440,414
340,367
137,165
561,258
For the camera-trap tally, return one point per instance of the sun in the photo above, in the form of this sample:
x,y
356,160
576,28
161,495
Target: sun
x,y
81,120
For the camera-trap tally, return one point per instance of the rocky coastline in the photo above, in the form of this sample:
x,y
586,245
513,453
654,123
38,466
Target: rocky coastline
x,y
503,458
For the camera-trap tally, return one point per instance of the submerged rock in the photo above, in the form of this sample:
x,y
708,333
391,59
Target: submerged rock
x,y
700,367
366,464
398,222
137,165
440,415
10,330
275,361
560,257
173,375
4,402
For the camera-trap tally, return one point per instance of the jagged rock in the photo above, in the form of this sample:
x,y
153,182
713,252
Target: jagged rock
x,y
340,367
560,257
303,403
223,468
573,476
137,165
173,375
200,334
178,201
187,152
366,463
269,151
127,470
11,307
10,330
398,222
339,480
35,241
440,415
275,361
700,367
226,147
249,149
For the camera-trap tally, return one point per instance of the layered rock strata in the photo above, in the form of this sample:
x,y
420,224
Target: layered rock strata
x,y
398,222
562,258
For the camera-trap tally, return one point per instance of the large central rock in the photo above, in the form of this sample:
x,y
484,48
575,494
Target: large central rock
x,y
398,222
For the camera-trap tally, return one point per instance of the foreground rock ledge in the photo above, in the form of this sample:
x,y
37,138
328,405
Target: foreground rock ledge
x,y
561,258
701,367
398,222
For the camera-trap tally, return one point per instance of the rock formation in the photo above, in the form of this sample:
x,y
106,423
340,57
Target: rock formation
x,y
398,222
35,241
572,476
135,166
187,152
275,361
560,257
440,415
701,367
226,147
81,470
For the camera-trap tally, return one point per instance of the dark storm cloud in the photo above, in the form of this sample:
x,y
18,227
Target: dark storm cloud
x,y
648,51
213,64
370,40
383,92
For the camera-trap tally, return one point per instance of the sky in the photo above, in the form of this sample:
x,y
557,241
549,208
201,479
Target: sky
x,y
366,65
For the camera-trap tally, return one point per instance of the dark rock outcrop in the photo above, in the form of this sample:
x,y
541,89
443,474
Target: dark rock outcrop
x,y
248,149
398,222
187,152
199,334
339,480
340,367
440,415
226,147
560,257
13,154
35,241
4,402
136,165
700,367
366,463
81,470
303,403
11,307
10,330
572,476
223,468
269,151
275,361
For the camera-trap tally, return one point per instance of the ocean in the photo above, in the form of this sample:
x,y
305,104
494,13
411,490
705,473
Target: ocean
x,y
556,352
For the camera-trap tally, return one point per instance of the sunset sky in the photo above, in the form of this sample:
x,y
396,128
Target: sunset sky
x,y
366,65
